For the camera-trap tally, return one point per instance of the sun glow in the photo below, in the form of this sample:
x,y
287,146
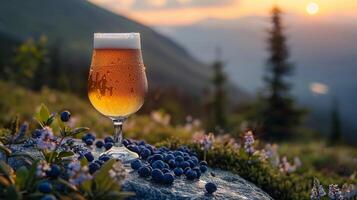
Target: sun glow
x,y
312,8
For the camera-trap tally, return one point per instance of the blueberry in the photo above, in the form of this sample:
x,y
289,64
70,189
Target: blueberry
x,y
45,187
158,164
186,169
203,163
134,148
184,164
186,158
126,142
191,174
157,175
178,171
108,139
191,163
210,187
194,159
157,157
93,167
172,163
54,172
198,171
165,170
203,168
108,145
89,156
99,162
135,164
104,158
37,133
65,115
168,178
48,197
70,141
60,187
145,153
169,157
148,146
99,144
166,166
141,143
88,141
178,153
88,136
179,159
145,171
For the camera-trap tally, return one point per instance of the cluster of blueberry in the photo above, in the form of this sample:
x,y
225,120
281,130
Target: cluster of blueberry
x,y
163,164
89,139
46,187
94,165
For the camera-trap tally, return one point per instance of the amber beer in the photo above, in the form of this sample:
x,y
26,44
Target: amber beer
x,y
117,82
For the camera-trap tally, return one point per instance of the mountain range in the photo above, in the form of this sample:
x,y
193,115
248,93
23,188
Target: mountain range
x,y
322,50
70,24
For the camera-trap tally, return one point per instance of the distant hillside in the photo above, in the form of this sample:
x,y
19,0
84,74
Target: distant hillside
x,y
70,24
323,50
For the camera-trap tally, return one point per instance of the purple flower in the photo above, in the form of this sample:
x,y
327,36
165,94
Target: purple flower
x,y
117,172
77,173
334,192
41,169
317,191
347,191
208,141
46,139
249,143
285,166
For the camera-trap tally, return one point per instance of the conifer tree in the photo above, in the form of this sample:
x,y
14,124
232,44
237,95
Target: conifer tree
x,y
279,115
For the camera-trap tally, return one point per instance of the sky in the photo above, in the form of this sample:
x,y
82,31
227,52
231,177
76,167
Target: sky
x,y
184,12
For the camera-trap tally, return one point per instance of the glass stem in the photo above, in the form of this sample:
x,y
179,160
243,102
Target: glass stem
x,y
118,131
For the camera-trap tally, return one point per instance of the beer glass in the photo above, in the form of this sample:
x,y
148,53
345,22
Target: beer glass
x,y
117,83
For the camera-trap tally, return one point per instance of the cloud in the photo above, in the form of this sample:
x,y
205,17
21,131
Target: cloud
x,y
172,4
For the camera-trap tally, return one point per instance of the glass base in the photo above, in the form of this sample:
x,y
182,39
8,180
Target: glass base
x,y
122,153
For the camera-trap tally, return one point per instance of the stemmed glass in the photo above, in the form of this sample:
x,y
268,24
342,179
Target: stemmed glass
x,y
117,83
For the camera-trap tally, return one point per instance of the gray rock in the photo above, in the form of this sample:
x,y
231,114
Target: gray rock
x,y
230,186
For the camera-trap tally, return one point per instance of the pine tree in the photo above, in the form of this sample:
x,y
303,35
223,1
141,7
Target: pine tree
x,y
279,115
219,95
336,133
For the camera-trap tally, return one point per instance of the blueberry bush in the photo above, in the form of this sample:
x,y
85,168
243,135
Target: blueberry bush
x,y
64,170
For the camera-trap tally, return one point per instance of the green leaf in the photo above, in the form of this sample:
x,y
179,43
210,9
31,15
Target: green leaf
x,y
50,119
83,162
6,170
63,154
31,177
21,177
42,115
102,179
24,155
67,184
79,130
61,125
13,193
6,150
86,186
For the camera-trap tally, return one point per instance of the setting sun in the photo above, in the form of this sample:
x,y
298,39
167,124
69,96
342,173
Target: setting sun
x,y
312,8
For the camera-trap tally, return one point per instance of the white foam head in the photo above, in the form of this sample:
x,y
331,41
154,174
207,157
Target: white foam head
x,y
116,41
